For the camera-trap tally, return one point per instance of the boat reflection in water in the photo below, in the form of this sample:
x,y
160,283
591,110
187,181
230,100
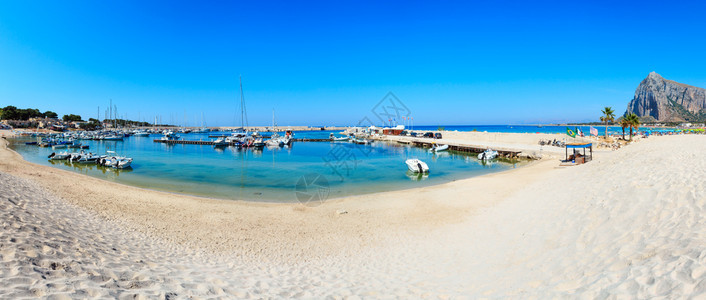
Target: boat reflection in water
x,y
437,155
416,176
86,168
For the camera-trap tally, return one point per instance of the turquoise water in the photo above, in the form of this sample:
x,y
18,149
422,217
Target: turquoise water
x,y
270,174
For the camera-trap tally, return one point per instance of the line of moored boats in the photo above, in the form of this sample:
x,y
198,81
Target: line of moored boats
x,y
238,138
242,139
110,159
414,165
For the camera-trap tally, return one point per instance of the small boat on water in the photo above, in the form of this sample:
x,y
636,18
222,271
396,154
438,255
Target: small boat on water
x,y
84,158
170,136
439,148
274,142
114,161
141,133
279,141
417,166
60,146
59,156
340,139
488,154
254,143
112,138
89,158
220,142
361,141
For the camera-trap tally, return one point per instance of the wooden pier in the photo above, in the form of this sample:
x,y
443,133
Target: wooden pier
x,y
228,135
311,140
185,142
507,153
182,142
424,143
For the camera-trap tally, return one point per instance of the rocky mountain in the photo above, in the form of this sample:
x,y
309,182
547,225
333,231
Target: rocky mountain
x,y
668,101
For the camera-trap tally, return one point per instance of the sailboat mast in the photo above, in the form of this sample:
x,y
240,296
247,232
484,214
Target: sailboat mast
x,y
243,111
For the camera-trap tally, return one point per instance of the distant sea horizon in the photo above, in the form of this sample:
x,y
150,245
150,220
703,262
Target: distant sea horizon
x,y
538,128
543,128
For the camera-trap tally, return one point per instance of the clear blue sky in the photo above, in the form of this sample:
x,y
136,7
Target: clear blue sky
x,y
486,62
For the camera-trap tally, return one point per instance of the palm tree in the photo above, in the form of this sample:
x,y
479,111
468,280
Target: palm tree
x,y
608,116
633,121
624,124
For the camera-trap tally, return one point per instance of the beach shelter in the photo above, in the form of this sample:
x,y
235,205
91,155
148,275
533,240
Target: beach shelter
x,y
579,159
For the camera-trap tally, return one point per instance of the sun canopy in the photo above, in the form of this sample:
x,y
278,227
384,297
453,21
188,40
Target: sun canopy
x,y
577,157
579,146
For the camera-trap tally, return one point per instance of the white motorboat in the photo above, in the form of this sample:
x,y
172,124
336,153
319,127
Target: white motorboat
x,y
488,154
286,140
170,136
235,140
220,142
339,139
83,157
256,143
361,141
274,142
74,156
114,161
141,133
89,158
439,148
417,166
112,138
59,156
277,140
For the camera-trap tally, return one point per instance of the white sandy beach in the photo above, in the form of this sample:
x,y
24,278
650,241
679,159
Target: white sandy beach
x,y
630,224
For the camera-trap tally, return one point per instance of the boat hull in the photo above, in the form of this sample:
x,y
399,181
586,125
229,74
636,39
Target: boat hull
x,y
417,166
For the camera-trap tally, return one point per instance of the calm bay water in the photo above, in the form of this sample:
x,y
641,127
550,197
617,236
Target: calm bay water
x,y
270,174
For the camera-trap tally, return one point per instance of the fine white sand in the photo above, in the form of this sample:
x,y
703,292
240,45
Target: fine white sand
x,y
629,224
526,143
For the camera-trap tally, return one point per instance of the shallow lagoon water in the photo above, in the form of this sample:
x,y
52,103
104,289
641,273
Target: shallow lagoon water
x,y
271,174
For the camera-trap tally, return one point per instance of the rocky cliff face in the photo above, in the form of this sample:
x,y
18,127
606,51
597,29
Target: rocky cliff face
x,y
668,101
